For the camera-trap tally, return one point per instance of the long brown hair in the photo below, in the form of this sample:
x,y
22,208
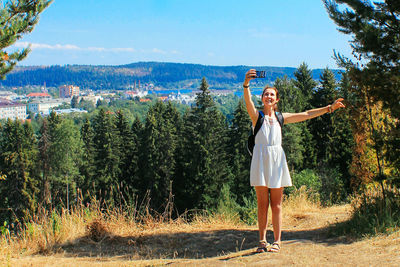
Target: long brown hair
x,y
277,95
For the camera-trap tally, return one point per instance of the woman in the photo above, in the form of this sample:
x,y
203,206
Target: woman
x,y
269,172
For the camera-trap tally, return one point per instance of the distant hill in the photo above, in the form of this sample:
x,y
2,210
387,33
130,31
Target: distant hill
x,y
165,75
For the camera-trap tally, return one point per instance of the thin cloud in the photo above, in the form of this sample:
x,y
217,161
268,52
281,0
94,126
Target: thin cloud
x,y
266,34
47,46
72,47
158,51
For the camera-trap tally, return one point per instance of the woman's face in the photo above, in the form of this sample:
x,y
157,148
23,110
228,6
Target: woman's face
x,y
269,97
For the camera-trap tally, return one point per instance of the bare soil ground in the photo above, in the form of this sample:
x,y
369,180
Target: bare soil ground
x,y
305,242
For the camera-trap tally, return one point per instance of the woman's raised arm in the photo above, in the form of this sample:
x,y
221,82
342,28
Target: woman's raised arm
x,y
312,113
251,109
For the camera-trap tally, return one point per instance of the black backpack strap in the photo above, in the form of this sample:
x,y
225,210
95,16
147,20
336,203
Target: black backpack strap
x,y
259,123
280,118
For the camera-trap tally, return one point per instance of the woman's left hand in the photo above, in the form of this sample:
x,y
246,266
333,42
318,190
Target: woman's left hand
x,y
337,104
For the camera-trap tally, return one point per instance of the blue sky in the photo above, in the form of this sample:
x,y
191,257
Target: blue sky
x,y
210,32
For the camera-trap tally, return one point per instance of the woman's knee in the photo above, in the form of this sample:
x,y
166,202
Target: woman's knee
x,y
276,207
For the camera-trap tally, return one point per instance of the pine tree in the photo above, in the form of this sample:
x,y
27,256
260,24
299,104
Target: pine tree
x,y
106,161
134,167
17,161
124,150
44,158
343,139
203,158
64,158
17,18
306,85
74,102
239,159
87,168
159,147
322,127
333,141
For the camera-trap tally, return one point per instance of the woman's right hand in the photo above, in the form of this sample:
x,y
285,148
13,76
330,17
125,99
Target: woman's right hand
x,y
250,75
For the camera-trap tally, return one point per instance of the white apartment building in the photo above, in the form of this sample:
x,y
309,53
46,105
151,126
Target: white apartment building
x,y
92,98
8,95
44,106
133,94
12,110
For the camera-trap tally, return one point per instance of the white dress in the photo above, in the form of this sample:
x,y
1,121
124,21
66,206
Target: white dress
x,y
268,165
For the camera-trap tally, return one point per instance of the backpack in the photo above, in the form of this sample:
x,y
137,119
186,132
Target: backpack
x,y
251,141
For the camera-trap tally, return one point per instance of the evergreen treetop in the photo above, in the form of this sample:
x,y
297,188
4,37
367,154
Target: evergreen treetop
x,y
16,19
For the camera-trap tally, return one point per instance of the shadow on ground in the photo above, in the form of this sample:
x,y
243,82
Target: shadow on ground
x,y
195,245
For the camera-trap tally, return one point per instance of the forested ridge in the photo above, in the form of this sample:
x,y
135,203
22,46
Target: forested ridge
x,y
165,75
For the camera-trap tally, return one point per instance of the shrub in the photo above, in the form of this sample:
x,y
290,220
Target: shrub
x,y
248,212
230,209
332,189
307,178
373,213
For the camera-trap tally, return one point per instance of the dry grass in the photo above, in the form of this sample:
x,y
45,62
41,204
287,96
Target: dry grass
x,y
88,236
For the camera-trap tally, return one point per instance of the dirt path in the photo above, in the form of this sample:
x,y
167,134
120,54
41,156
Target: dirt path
x,y
305,242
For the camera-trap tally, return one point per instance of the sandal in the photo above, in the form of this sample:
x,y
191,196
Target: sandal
x,y
263,246
275,247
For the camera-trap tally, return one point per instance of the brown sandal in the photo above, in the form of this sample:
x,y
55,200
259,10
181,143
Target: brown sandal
x,y
275,247
263,246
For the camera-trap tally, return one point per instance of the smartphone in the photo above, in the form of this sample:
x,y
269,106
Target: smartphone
x,y
260,73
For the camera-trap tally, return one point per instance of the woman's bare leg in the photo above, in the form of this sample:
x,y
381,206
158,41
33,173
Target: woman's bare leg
x,y
276,195
262,211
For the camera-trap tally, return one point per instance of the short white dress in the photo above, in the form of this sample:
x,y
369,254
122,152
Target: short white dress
x,y
268,165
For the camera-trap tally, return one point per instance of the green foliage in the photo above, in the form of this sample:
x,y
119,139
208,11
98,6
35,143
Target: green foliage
x,y
308,178
202,156
306,86
239,159
60,153
18,154
227,104
4,231
74,102
333,139
55,223
87,167
227,205
105,156
159,145
17,18
229,208
332,190
248,211
324,185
